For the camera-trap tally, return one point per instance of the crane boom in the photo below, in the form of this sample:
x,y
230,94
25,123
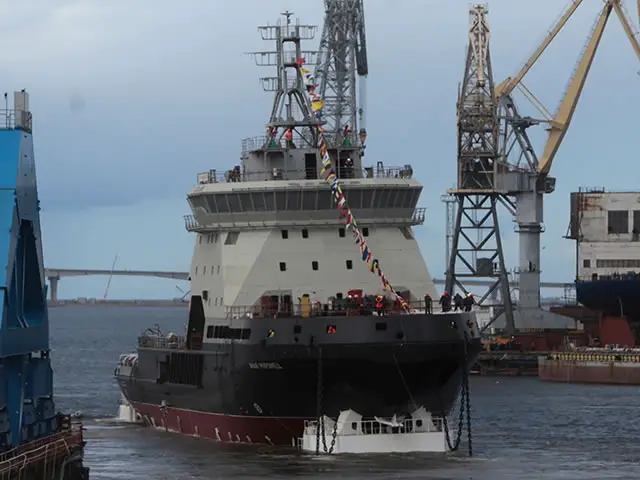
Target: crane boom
x,y
562,120
507,86
626,25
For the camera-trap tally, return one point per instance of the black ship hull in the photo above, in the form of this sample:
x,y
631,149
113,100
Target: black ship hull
x,y
262,391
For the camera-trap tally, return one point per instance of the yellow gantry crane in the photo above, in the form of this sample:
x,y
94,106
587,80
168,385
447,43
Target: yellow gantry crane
x,y
559,123
489,176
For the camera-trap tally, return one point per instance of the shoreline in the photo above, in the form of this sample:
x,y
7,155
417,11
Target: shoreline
x,y
117,303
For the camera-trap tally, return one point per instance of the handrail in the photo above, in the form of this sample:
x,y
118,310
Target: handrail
x,y
244,175
336,308
34,451
154,341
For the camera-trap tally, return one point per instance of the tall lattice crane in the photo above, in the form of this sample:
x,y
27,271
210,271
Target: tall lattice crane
x,y
524,177
476,250
342,57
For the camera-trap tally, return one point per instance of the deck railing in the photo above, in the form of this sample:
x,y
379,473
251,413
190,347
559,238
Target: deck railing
x,y
337,308
43,449
191,224
274,174
162,342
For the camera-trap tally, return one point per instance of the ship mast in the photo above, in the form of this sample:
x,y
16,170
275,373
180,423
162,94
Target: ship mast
x,y
291,107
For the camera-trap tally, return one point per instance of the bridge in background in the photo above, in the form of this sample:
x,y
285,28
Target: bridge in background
x,y
55,274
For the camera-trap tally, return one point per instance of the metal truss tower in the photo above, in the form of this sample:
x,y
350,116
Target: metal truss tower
x,y
342,57
291,105
476,250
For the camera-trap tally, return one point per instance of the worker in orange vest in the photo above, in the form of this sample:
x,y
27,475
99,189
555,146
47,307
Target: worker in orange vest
x,y
288,137
380,305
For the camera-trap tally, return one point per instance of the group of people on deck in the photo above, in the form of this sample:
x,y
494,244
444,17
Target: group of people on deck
x,y
460,303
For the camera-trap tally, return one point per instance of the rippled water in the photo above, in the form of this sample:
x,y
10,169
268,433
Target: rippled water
x,y
522,428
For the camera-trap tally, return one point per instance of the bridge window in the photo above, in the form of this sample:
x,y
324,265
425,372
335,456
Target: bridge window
x,y
341,232
235,205
305,233
325,201
258,201
210,331
365,231
218,269
309,198
349,264
269,201
196,270
314,265
204,271
285,234
294,200
367,198
281,200
232,238
354,198
283,266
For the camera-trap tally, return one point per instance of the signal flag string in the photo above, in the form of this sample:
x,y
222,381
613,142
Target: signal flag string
x,y
329,174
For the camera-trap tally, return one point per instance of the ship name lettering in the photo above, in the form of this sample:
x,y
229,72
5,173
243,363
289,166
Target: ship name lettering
x,y
265,365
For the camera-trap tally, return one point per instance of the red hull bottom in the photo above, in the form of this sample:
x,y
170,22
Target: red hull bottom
x,y
223,428
608,374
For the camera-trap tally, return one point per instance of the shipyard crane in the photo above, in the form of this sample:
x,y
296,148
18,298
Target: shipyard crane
x,y
526,178
342,57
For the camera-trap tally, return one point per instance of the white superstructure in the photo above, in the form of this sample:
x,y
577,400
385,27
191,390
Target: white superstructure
x,y
606,226
269,234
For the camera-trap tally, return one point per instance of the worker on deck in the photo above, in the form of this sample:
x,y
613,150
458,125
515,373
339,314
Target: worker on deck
x,y
468,302
273,132
348,168
380,305
427,304
445,301
458,302
288,137
346,134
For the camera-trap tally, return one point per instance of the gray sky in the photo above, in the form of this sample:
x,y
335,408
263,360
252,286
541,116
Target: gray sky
x,y
132,99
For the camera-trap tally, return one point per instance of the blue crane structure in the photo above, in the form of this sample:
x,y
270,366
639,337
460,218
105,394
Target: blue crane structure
x,y
27,409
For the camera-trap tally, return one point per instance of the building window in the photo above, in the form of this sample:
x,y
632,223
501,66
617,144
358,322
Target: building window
x,y
586,263
618,221
365,232
232,238
285,234
305,233
283,266
349,264
314,265
341,232
210,331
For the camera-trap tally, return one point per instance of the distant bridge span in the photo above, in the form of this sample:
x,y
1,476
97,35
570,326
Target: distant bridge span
x,y
55,274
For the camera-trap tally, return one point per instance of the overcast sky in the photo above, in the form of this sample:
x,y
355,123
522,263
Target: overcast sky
x,y
132,99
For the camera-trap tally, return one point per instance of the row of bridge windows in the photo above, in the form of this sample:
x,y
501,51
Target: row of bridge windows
x,y
357,198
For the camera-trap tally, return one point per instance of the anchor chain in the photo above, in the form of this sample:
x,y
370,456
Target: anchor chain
x,y
465,407
320,424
